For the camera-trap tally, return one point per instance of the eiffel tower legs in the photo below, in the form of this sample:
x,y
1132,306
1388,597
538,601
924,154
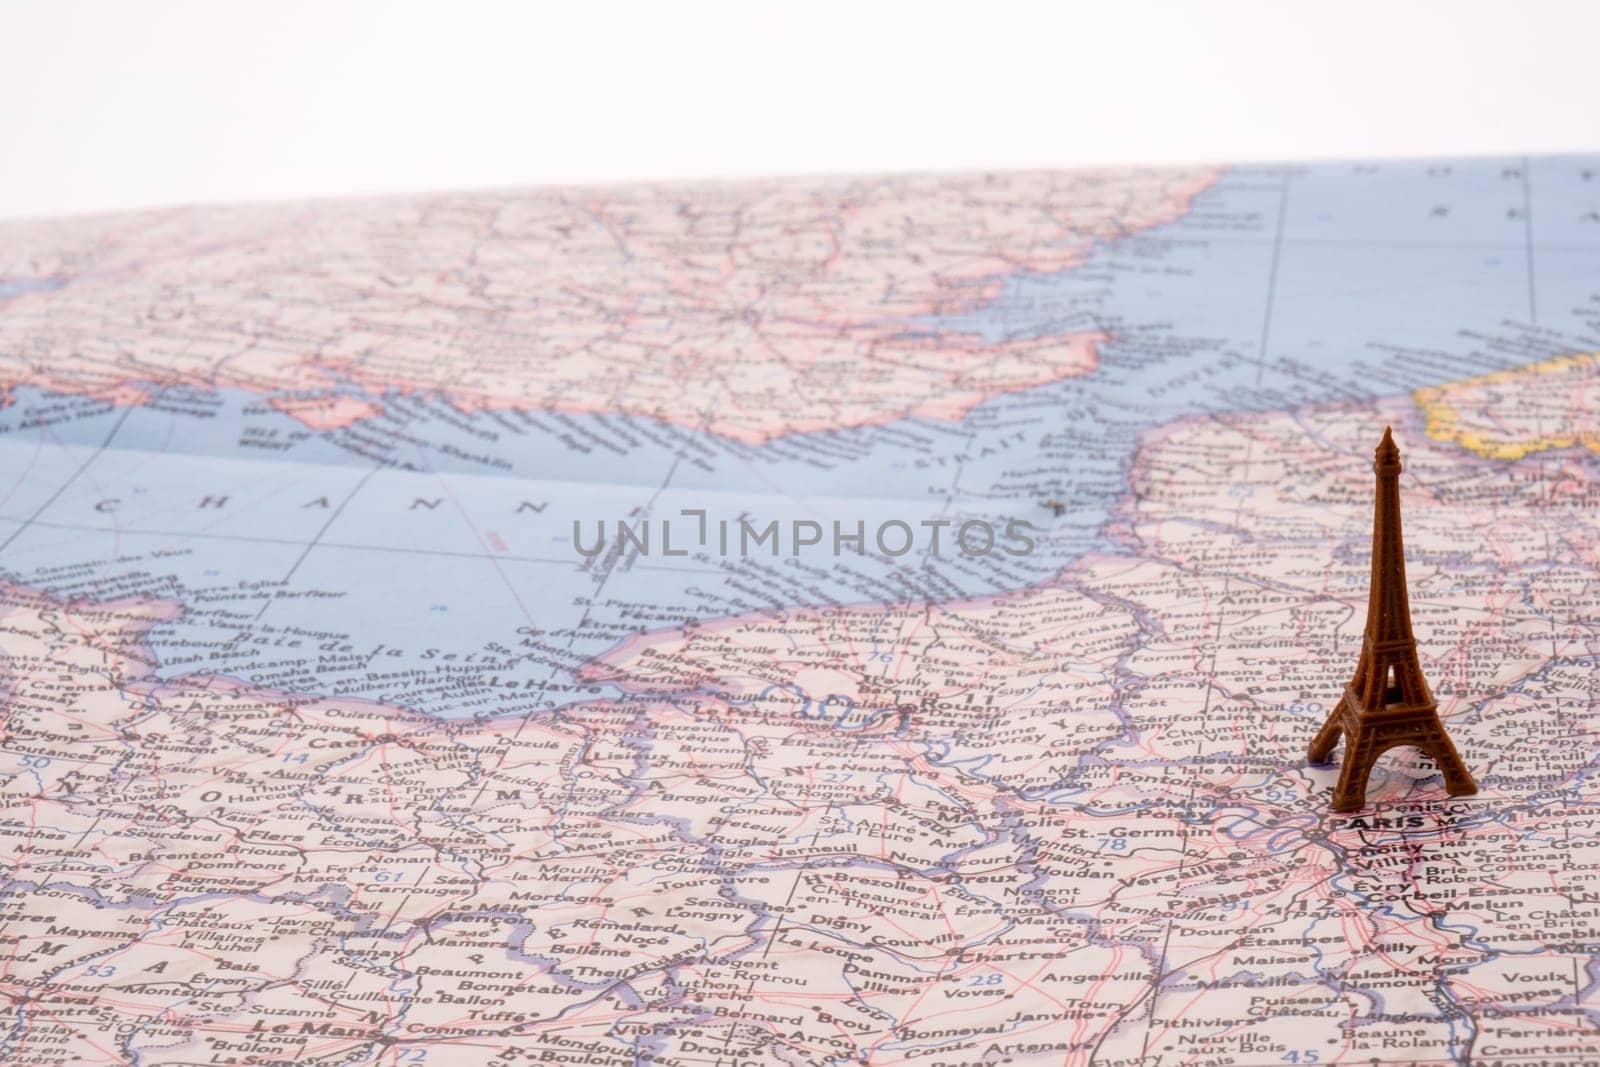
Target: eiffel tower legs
x,y
1327,737
1367,737
1360,753
1457,779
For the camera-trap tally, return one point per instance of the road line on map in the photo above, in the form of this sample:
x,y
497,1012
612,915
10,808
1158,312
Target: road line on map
x,y
733,1026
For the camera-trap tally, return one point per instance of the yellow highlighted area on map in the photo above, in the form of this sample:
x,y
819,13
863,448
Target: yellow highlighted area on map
x,y
1514,413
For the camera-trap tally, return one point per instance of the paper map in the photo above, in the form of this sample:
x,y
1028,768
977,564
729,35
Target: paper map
x,y
859,621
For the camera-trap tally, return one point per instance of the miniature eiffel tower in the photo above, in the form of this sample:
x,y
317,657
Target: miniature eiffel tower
x,y
1387,703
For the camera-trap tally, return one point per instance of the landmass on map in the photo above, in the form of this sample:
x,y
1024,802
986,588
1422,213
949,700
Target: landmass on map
x,y
1510,414
750,311
816,835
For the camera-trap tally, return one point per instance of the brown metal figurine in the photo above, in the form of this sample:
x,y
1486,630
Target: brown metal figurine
x,y
1387,703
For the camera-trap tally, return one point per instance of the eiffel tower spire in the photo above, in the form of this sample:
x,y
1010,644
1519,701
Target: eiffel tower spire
x,y
1388,609
1387,702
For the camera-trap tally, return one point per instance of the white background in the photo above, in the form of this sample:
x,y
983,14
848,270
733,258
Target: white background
x,y
114,105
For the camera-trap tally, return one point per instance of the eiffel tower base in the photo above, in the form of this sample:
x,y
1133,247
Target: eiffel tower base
x,y
1368,734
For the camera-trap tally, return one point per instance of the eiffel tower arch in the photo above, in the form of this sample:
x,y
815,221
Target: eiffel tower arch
x,y
1387,702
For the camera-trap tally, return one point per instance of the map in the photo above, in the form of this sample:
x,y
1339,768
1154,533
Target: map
x,y
860,621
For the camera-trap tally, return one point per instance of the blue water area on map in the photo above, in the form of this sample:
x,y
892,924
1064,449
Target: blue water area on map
x,y
1282,286
10,287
